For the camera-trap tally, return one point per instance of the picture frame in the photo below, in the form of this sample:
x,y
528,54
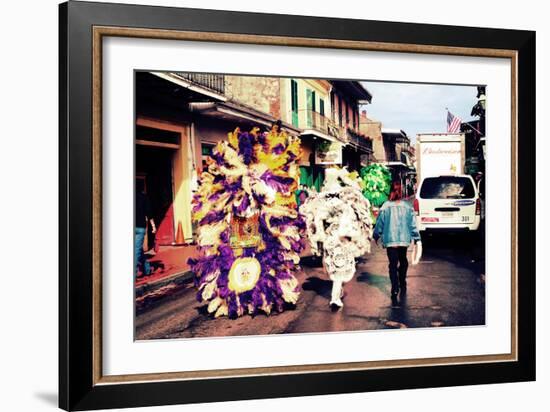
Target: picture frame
x,y
82,28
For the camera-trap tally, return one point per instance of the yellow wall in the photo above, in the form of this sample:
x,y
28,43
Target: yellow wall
x,y
182,172
182,168
322,91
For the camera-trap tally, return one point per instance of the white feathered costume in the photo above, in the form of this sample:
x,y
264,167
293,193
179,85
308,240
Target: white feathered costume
x,y
339,218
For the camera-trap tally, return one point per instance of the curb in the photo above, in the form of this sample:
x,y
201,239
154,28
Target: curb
x,y
176,278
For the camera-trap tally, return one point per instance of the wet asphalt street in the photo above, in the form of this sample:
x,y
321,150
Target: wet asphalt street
x,y
446,288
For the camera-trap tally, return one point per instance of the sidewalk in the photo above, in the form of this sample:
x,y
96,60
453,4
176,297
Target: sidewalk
x,y
168,263
171,261
171,274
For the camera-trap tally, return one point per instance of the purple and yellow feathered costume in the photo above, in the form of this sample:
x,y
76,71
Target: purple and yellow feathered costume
x,y
249,230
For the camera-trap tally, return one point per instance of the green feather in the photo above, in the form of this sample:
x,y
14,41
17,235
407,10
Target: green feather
x,y
377,182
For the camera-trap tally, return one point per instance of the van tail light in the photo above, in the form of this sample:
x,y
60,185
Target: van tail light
x,y
415,206
478,207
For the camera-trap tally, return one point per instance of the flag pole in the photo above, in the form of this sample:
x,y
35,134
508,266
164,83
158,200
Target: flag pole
x,y
467,124
473,128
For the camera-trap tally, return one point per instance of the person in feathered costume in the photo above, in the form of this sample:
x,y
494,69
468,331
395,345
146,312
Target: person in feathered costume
x,y
339,218
376,183
249,229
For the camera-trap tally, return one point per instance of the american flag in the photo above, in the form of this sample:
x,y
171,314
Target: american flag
x,y
453,123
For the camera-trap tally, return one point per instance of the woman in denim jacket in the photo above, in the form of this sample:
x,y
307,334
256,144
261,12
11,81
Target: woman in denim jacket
x,y
396,225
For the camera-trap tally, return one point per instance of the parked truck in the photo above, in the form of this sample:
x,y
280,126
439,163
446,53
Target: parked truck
x,y
446,199
440,154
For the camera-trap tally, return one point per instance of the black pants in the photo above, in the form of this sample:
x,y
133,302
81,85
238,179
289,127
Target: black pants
x,y
398,267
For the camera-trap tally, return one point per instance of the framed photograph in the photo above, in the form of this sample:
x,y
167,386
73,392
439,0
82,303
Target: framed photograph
x,y
257,205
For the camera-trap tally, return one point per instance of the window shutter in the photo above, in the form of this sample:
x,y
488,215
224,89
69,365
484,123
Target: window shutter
x,y
294,101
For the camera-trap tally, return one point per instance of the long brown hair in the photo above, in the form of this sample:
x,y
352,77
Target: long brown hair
x,y
396,191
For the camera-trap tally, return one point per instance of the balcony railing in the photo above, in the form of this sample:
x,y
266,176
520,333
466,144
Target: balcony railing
x,y
391,156
213,82
359,141
316,121
310,119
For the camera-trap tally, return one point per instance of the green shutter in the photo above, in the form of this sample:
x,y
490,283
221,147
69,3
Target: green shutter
x,y
309,105
294,101
306,177
319,179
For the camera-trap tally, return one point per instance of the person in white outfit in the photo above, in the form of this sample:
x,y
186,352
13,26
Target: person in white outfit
x,y
339,219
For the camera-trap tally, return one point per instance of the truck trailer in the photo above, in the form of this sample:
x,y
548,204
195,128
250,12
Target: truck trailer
x,y
446,199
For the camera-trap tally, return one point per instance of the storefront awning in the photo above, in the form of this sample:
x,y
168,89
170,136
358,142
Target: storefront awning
x,y
318,134
236,112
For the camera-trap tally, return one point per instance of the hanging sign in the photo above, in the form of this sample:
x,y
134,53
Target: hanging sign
x,y
328,153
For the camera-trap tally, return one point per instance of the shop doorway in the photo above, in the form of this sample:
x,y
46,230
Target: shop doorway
x,y
154,167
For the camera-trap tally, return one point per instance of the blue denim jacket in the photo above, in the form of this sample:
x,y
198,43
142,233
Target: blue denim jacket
x,y
396,224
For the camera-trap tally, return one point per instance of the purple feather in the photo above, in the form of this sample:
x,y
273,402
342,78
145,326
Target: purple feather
x,y
212,217
241,208
214,196
278,149
245,147
279,183
197,206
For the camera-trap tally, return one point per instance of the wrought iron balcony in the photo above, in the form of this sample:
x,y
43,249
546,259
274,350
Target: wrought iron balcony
x,y
391,155
359,141
309,119
213,82
315,120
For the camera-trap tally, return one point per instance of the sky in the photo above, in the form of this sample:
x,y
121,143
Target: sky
x,y
418,108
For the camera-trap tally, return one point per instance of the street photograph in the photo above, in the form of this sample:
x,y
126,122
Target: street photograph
x,y
277,205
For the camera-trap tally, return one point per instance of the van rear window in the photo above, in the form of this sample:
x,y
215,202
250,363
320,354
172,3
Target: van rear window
x,y
447,187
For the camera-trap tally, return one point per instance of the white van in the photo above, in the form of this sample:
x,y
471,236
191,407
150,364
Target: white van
x,y
447,203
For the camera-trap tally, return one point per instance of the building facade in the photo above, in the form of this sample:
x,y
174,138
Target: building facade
x,y
347,97
179,119
392,147
181,116
373,129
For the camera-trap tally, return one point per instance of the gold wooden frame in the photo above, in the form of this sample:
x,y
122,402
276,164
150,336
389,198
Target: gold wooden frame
x,y
102,31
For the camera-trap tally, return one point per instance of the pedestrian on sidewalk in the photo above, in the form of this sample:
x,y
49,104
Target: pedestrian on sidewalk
x,y
396,225
143,217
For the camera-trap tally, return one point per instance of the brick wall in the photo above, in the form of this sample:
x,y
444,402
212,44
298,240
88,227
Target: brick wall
x,y
260,93
373,129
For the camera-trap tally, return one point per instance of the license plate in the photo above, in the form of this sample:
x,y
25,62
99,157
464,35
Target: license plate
x,y
447,214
